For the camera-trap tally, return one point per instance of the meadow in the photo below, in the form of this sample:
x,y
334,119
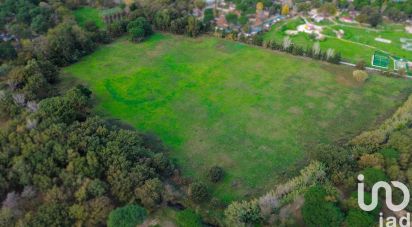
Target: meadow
x,y
357,43
84,14
253,111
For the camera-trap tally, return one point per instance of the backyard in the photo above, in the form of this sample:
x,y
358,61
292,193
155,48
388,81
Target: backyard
x,y
253,111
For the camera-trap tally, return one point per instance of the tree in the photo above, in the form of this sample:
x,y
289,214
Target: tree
x,y
317,211
193,27
371,160
200,4
198,192
139,29
117,28
150,193
208,16
127,216
285,9
259,6
7,51
64,44
51,215
231,18
328,9
360,65
336,158
358,218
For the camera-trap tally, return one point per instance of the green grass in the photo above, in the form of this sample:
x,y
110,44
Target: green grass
x,y
214,102
85,14
358,43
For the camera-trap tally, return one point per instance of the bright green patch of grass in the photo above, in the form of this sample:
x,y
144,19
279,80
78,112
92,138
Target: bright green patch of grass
x,y
252,111
85,14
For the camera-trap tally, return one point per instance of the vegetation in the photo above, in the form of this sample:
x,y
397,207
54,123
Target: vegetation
x,y
214,78
318,211
360,75
217,104
127,216
357,43
198,192
215,174
84,15
139,29
188,218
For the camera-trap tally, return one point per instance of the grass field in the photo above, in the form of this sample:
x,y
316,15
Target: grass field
x,y
357,42
214,102
85,14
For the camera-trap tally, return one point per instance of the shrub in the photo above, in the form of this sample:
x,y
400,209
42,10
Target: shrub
x,y
360,65
216,173
127,216
243,213
139,29
188,218
360,75
198,192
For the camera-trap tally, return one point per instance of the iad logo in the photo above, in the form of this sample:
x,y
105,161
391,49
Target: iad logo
x,y
390,221
388,193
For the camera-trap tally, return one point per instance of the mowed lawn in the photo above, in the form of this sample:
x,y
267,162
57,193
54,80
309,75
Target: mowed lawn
x,y
253,111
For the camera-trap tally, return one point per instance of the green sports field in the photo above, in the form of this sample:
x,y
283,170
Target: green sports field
x,y
214,102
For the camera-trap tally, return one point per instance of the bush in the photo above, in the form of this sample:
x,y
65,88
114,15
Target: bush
x,y
188,218
360,75
198,192
139,29
243,213
360,65
127,216
215,174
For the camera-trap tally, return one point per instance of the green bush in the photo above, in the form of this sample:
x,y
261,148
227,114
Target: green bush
x,y
198,192
215,174
127,216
